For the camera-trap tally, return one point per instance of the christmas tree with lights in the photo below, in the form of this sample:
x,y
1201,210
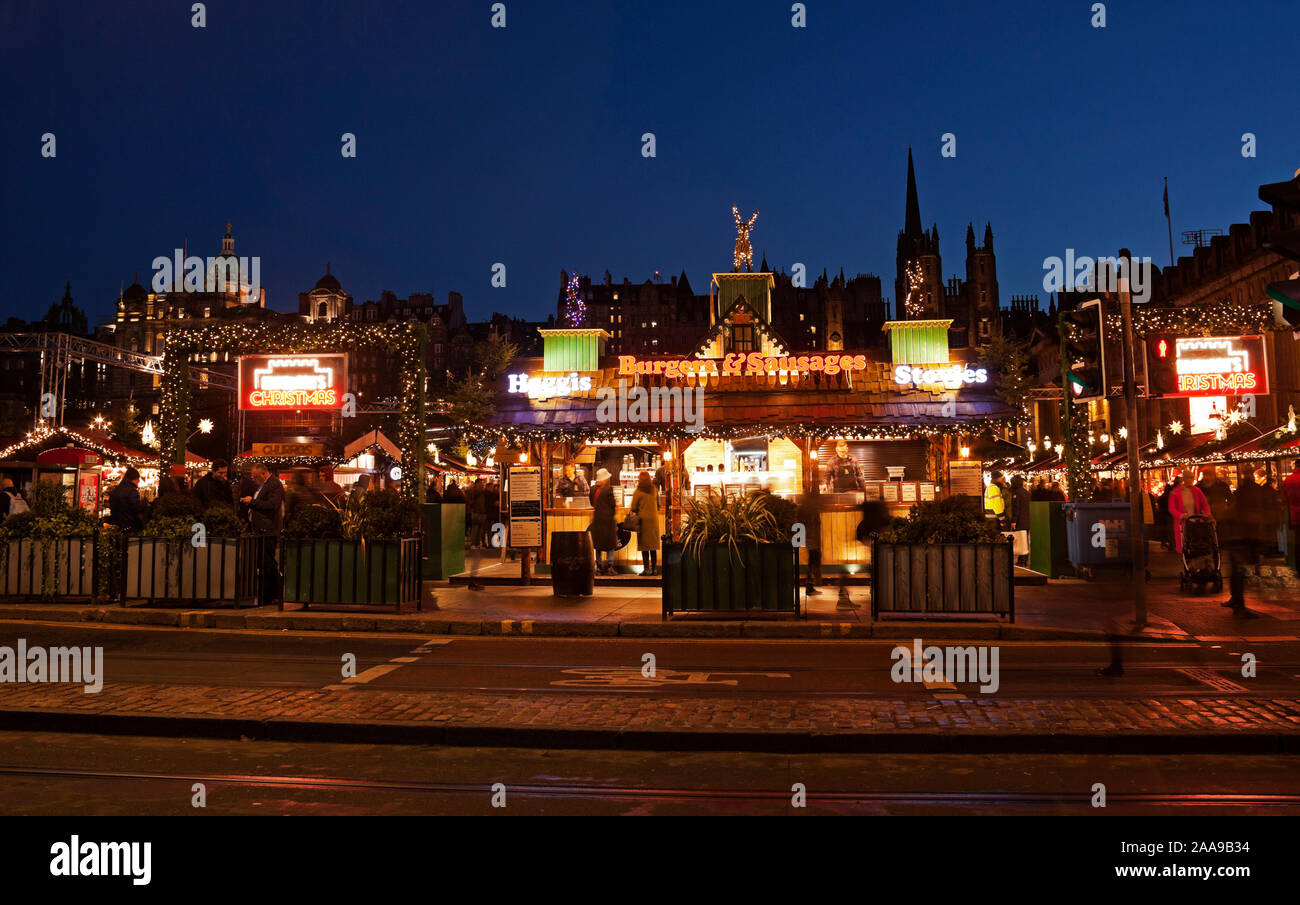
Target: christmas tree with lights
x,y
575,310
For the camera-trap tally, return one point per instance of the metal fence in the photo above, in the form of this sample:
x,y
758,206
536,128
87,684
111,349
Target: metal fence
x,y
955,579
351,573
225,570
54,567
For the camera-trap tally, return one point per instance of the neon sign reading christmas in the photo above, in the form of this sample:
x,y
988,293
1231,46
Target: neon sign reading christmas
x,y
1219,365
270,383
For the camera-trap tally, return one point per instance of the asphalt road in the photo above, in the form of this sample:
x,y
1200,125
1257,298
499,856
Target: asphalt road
x,y
139,654
55,774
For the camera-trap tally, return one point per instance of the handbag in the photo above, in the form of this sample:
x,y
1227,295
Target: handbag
x,y
632,522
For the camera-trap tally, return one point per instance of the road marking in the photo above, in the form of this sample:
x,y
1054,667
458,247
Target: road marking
x,y
632,677
376,672
1212,679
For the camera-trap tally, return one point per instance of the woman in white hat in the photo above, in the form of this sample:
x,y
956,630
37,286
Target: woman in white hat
x,y
604,527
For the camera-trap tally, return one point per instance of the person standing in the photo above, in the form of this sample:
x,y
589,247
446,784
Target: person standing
x,y
604,525
810,514
1217,493
1242,532
996,497
1186,499
645,505
1020,500
476,506
1291,502
266,516
11,501
125,508
213,489
571,482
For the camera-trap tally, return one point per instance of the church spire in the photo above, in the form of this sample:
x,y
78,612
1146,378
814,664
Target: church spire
x,y
912,221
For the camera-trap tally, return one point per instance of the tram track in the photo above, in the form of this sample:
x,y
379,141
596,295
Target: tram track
x,y
594,791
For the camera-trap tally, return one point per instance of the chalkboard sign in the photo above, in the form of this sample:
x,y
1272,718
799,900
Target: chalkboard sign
x,y
966,479
525,506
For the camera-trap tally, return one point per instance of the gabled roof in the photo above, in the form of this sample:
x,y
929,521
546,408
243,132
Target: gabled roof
x,y
760,323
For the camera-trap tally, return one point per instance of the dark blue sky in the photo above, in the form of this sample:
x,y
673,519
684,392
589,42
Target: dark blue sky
x,y
522,145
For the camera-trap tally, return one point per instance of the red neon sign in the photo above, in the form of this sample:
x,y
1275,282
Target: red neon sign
x,y
1219,365
270,383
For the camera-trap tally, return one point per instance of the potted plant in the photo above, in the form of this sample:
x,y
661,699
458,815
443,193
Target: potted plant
x,y
363,554
735,556
943,557
187,554
48,551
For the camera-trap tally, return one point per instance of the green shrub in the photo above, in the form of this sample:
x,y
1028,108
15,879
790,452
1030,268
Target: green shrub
x,y
170,527
732,520
319,520
955,520
51,516
20,524
176,505
221,521
383,515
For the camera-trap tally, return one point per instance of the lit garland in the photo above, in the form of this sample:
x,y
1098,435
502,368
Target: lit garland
x,y
1223,317
478,434
43,432
913,304
575,309
744,252
406,342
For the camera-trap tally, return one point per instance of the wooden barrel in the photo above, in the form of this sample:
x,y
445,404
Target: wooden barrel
x,y
573,564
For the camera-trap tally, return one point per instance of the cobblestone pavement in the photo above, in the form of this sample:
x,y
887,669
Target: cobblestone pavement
x,y
613,713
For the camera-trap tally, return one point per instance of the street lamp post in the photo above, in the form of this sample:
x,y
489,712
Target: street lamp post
x,y
1137,541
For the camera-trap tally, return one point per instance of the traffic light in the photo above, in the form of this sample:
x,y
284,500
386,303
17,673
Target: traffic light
x,y
1162,373
1286,196
1081,334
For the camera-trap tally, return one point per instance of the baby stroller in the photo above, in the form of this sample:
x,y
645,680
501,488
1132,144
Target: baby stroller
x,y
1200,554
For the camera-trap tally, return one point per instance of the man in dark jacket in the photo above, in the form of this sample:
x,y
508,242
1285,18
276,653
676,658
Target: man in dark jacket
x,y
1243,535
453,493
604,525
266,515
213,489
1020,500
126,509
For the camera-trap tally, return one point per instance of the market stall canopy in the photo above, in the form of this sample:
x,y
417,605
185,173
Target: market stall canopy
x,y
113,450
866,401
367,441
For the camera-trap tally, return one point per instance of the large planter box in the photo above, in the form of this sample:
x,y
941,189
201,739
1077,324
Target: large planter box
x,y
163,570
444,540
61,567
952,579
351,573
755,578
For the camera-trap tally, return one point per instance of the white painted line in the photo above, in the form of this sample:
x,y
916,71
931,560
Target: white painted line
x,y
372,673
1212,679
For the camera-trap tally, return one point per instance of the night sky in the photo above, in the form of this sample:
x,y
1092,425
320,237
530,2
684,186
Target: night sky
x,y
523,145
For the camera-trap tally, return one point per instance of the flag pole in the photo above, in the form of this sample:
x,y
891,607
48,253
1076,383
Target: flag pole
x,y
1169,223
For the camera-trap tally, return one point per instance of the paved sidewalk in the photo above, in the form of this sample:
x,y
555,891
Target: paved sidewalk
x,y
1065,609
918,724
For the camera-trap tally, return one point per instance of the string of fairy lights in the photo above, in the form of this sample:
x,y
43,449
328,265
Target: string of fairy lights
x,y
914,304
575,309
405,342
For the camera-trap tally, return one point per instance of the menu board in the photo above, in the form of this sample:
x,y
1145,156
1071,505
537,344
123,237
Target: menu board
x,y
525,506
871,492
927,492
889,493
909,493
966,478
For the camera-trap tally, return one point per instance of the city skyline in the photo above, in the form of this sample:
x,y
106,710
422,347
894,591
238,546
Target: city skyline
x,y
557,189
